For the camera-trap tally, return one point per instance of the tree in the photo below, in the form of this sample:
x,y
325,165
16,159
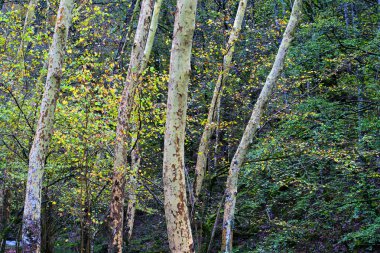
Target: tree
x,y
176,211
135,156
200,167
31,231
5,196
309,181
132,198
253,125
33,4
123,145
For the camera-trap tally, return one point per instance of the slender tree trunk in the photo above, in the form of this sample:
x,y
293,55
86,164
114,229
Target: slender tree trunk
x,y
128,31
283,8
215,225
152,34
276,15
5,212
31,234
176,211
346,18
18,239
85,196
360,92
131,209
47,241
203,149
123,148
3,188
217,135
85,245
28,17
253,126
378,12
30,13
85,199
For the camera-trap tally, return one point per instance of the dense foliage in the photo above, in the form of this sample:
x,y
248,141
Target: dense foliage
x,y
311,182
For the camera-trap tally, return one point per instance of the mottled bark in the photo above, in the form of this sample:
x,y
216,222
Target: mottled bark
x,y
176,211
124,127
253,126
203,149
31,233
132,198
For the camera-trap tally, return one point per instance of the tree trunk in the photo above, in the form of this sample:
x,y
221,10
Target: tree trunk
x,y
131,208
152,34
2,223
176,211
85,194
85,245
209,247
30,13
28,16
31,234
253,126
5,212
203,149
125,125
47,241
360,92
135,153
128,30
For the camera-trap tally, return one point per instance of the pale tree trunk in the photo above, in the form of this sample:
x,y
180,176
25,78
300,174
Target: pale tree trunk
x,y
132,198
253,126
176,211
203,149
131,209
152,34
123,147
31,234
